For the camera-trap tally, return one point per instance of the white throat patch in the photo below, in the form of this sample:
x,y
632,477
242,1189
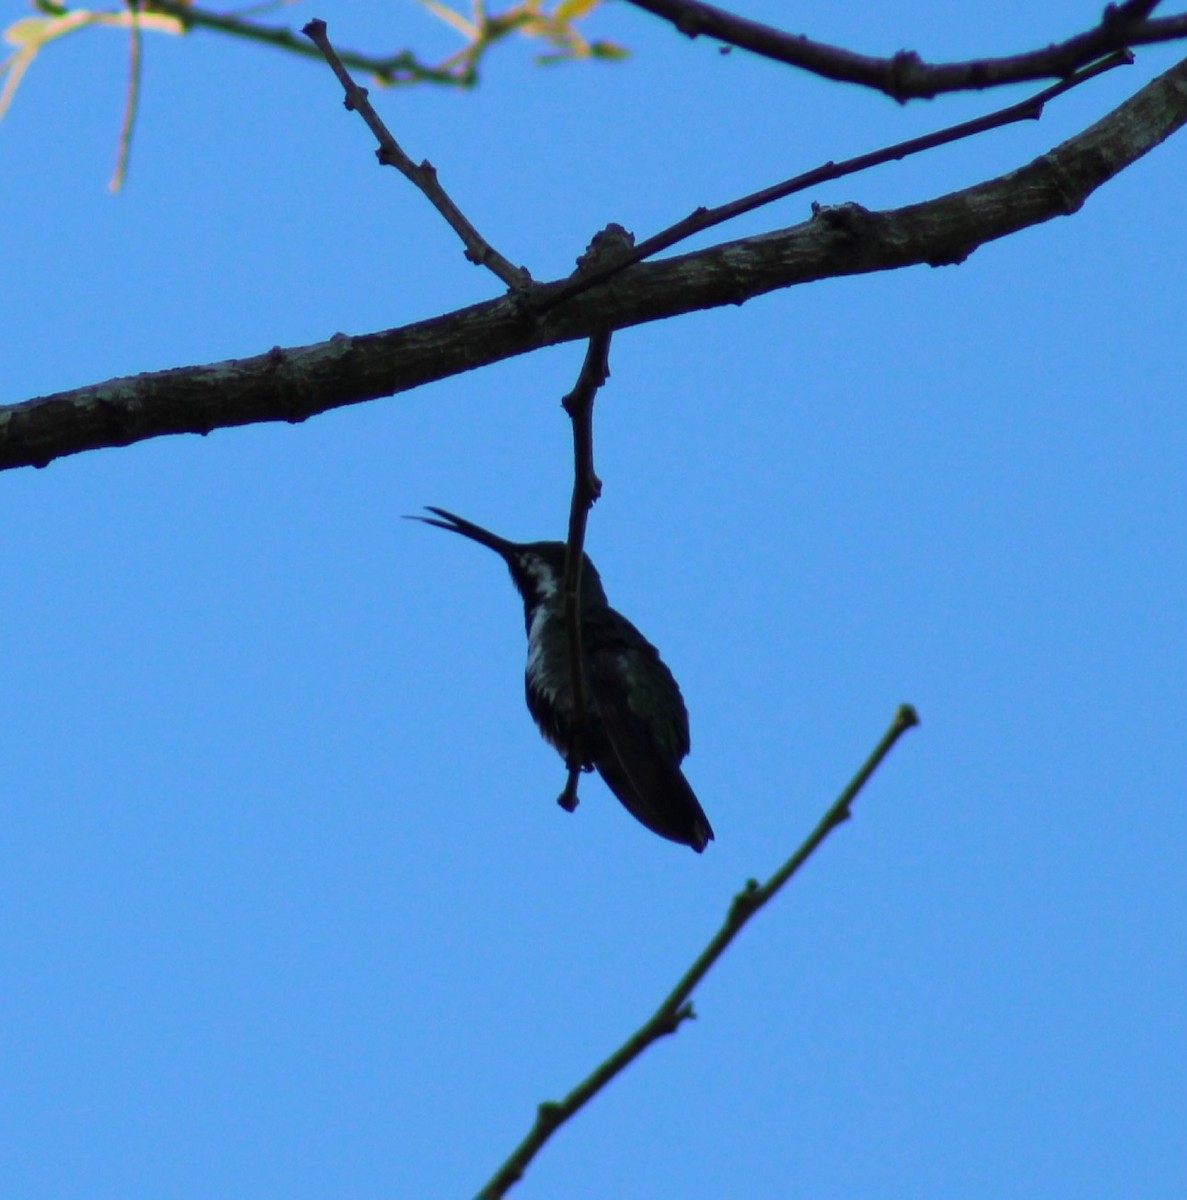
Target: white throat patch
x,y
547,583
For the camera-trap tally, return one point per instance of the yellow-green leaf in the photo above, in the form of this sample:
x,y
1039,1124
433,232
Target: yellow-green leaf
x,y
572,10
609,50
29,31
466,28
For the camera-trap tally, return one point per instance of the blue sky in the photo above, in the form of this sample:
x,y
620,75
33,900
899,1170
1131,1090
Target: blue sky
x,y
286,905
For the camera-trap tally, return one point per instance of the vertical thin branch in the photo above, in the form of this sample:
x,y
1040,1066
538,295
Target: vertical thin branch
x,y
587,487
132,100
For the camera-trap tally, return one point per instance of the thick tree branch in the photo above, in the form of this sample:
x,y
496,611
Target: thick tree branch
x,y
676,1007
292,385
905,76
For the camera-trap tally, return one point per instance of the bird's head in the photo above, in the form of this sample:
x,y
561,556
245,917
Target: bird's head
x,y
537,568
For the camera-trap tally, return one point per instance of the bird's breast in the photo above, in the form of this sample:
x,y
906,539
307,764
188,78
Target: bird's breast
x,y
548,655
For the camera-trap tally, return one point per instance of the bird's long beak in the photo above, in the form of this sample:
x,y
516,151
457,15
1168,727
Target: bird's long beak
x,y
475,533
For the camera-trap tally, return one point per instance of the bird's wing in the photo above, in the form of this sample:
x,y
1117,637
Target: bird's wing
x,y
644,723
626,660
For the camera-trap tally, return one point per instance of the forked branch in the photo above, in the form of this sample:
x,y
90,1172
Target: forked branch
x,y
703,218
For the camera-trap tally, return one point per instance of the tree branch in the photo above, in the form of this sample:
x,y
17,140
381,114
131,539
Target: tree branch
x,y
423,175
676,1008
905,76
587,487
391,69
706,218
294,384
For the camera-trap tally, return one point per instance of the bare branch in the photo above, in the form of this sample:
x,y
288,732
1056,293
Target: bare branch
x,y
587,487
706,218
423,175
292,385
905,76
676,1007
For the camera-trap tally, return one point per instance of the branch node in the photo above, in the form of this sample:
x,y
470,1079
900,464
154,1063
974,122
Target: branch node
x,y
906,717
1127,13
549,1113
745,902
906,74
673,1020
689,24
568,798
605,248
849,219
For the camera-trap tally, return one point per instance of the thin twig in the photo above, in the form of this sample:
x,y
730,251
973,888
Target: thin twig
x,y
131,100
676,1008
423,175
905,76
587,487
705,218
391,69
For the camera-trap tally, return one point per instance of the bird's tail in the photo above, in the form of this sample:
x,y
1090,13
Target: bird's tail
x,y
651,788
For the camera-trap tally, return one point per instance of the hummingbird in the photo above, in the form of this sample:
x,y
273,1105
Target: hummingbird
x,y
635,731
